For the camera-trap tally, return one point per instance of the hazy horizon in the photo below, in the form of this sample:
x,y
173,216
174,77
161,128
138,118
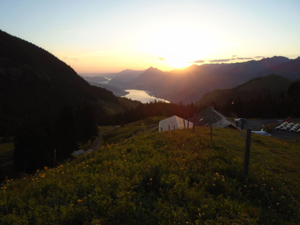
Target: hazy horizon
x,y
108,37
229,62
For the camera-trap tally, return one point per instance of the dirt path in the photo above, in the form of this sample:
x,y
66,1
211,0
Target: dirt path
x,y
98,141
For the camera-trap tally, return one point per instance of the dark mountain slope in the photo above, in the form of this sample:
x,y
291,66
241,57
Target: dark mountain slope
x,y
124,77
148,80
34,81
272,85
289,69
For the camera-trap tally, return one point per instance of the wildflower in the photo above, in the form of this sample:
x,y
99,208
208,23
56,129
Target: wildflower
x,y
282,196
272,189
214,185
78,200
277,203
151,179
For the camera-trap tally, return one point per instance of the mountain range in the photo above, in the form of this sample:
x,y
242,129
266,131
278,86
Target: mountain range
x,y
191,83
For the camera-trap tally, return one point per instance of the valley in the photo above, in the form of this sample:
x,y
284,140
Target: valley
x,y
190,84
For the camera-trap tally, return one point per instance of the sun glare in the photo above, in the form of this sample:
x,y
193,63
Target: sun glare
x,y
177,61
180,45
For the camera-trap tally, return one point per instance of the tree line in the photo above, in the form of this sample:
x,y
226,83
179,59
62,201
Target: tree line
x,y
267,106
38,137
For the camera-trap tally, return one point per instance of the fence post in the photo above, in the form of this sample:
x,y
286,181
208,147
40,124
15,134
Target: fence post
x,y
184,123
211,125
169,127
211,132
247,152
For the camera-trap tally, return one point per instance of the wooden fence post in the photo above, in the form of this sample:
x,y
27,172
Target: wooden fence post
x,y
247,152
184,123
169,127
211,124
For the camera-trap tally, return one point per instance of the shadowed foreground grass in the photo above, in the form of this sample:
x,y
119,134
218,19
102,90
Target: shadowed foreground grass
x,y
163,178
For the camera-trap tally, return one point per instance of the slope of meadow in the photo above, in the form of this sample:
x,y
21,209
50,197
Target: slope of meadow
x,y
163,178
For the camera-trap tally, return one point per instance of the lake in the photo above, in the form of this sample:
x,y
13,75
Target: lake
x,y
142,96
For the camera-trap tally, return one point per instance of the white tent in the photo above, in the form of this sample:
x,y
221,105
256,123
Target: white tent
x,y
174,123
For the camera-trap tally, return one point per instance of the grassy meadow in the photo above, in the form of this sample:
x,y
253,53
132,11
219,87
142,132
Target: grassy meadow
x,y
174,177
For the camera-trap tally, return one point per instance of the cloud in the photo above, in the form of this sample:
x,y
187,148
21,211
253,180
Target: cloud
x,y
161,58
70,59
259,57
233,56
243,58
220,60
198,61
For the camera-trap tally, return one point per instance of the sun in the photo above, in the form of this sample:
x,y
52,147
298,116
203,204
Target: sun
x,y
177,61
180,45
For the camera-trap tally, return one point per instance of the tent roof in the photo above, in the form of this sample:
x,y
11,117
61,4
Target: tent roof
x,y
176,121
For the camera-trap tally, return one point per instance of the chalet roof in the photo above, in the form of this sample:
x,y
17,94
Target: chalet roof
x,y
210,116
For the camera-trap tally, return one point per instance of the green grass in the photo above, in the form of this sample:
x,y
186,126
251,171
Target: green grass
x,y
101,129
174,177
129,130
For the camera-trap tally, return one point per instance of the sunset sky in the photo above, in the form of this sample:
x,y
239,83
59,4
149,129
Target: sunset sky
x,y
95,36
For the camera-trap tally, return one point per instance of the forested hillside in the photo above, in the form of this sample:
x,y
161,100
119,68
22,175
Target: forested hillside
x,y
33,81
263,97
